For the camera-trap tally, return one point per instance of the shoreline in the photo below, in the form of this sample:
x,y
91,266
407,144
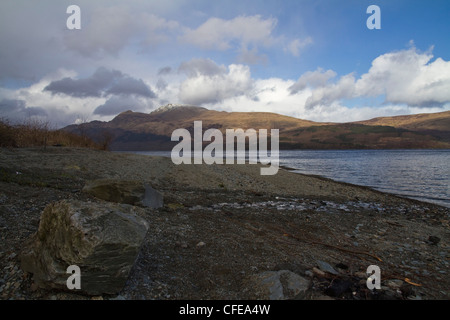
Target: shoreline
x,y
439,202
247,224
373,189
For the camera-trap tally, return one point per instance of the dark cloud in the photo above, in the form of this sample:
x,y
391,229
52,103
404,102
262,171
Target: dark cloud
x,y
116,105
102,83
197,67
94,86
164,71
130,86
16,110
8,105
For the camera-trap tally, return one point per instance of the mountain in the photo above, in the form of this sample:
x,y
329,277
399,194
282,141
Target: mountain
x,y
135,131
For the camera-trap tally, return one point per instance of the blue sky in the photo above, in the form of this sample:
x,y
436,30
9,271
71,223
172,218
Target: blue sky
x,y
311,59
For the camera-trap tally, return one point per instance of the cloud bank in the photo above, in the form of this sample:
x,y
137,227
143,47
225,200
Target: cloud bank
x,y
402,77
102,83
402,82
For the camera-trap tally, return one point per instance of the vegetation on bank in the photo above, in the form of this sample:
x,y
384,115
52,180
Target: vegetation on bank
x,y
36,133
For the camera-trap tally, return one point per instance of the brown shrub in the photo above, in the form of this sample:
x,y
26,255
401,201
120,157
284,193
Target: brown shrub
x,y
35,133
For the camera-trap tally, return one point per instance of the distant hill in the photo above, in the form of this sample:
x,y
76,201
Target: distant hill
x,y
152,131
437,124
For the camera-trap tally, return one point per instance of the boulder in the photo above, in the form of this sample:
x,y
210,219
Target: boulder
x,y
101,239
136,193
279,285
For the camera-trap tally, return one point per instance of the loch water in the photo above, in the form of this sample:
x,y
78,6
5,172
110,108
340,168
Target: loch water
x,y
418,174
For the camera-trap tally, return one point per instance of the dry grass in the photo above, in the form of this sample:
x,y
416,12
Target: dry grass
x,y
427,121
36,133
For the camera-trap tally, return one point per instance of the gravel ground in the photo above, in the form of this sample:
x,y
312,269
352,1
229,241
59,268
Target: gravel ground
x,y
223,224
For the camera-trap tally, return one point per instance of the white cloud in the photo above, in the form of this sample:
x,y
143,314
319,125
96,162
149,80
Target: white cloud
x,y
326,95
407,77
266,95
314,79
219,34
297,45
404,77
246,34
111,29
205,86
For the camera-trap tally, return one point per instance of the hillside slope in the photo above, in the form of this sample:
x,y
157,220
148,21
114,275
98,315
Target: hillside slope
x,y
152,131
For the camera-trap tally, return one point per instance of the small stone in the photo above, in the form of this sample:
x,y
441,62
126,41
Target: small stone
x,y
200,244
326,267
128,192
318,272
394,284
360,274
279,285
309,273
433,240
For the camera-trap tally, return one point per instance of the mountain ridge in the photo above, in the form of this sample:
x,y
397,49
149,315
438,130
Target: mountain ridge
x,y
136,131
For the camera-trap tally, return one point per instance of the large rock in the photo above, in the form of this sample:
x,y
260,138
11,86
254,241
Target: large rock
x,y
122,191
279,285
102,239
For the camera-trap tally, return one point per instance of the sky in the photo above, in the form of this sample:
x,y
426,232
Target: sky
x,y
311,59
